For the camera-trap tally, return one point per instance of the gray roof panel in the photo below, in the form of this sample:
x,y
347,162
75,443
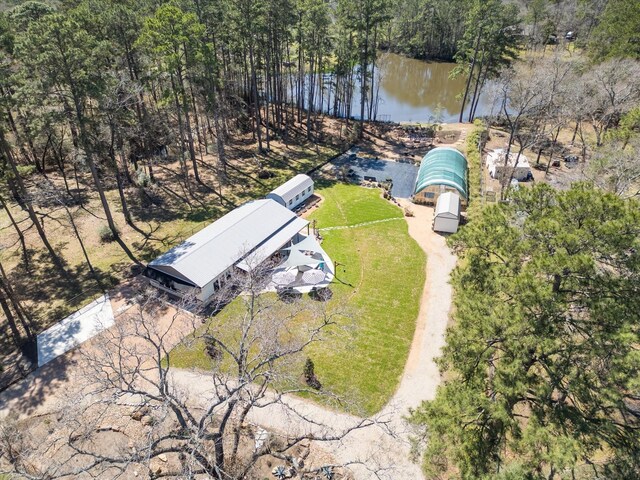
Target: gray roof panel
x,y
292,187
204,256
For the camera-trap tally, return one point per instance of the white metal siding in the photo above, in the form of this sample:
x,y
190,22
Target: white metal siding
x,y
207,254
446,225
293,192
207,292
277,198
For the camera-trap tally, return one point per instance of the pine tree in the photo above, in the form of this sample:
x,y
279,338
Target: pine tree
x,y
542,360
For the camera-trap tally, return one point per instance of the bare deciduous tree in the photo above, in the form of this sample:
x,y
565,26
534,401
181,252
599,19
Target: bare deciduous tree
x,y
532,101
617,169
609,90
255,352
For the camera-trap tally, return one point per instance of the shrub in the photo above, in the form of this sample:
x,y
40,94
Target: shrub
x,y
106,235
212,350
142,178
26,170
477,138
264,174
310,375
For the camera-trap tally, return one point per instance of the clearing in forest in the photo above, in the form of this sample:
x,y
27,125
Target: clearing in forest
x,y
380,274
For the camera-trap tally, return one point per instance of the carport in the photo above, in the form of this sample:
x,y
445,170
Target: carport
x,y
74,330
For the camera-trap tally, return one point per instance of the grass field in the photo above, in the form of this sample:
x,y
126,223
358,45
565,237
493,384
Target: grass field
x,y
380,279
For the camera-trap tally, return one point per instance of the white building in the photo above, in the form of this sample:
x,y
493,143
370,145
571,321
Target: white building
x,y
293,192
447,213
518,165
244,237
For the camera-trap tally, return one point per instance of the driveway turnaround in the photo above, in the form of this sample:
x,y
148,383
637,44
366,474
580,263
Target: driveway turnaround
x,y
381,451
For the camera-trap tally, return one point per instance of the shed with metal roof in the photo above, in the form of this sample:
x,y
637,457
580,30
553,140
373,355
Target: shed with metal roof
x,y
242,239
443,169
447,214
293,192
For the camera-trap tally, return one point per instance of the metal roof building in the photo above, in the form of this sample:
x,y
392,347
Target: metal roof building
x,y
442,169
447,214
293,192
242,238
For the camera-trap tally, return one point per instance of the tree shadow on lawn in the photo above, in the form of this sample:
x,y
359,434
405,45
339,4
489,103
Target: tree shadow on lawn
x,y
322,180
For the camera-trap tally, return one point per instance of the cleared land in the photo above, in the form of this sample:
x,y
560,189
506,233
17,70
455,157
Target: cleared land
x,y
380,277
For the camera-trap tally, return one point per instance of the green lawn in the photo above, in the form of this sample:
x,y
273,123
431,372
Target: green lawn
x,y
380,280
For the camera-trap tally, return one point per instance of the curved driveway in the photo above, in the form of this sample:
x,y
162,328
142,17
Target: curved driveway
x,y
381,451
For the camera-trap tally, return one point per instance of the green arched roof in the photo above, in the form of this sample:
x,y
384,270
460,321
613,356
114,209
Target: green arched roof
x,y
443,166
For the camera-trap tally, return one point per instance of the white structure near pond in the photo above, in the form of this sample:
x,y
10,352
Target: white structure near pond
x,y
447,213
497,167
241,239
293,192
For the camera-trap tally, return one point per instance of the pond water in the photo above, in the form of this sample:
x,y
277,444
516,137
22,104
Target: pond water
x,y
411,90
415,90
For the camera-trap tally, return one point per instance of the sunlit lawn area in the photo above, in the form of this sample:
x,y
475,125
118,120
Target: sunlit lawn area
x,y
379,278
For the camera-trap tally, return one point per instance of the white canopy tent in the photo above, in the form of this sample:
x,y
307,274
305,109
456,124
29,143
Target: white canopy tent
x,y
307,265
307,244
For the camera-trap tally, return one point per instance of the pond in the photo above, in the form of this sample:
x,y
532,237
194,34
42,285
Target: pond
x,y
411,90
415,90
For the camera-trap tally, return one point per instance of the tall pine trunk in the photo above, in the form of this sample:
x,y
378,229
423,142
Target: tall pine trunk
x,y
25,253
471,70
8,154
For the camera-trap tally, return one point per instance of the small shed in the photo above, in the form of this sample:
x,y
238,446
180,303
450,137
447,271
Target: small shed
x,y
447,214
293,192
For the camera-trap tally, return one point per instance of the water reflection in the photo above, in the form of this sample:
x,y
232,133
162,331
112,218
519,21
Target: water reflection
x,y
409,90
414,90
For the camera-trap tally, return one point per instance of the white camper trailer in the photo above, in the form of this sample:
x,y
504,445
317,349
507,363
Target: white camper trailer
x,y
517,167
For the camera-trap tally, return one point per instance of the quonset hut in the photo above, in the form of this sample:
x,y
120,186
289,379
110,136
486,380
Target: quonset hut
x,y
293,192
442,170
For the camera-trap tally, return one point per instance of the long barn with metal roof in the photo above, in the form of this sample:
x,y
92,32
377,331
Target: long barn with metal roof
x,y
443,169
242,238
